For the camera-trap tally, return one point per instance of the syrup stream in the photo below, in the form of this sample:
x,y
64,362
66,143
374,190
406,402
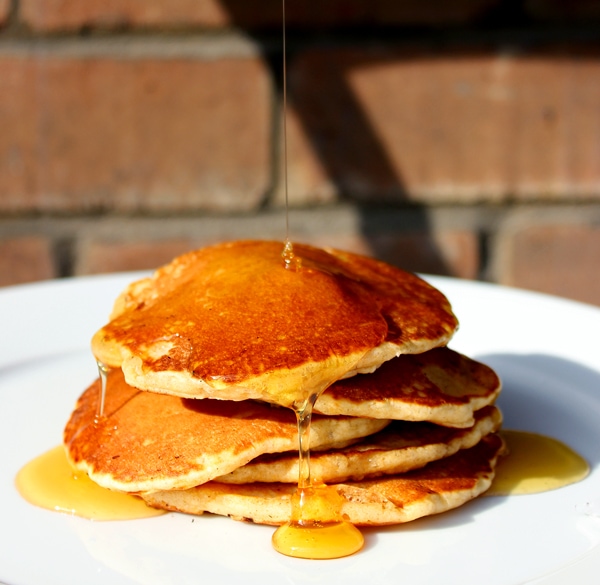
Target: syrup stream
x,y
284,127
304,416
103,371
316,529
289,259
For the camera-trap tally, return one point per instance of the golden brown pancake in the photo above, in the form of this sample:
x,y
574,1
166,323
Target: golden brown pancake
x,y
439,386
149,441
398,448
232,322
438,487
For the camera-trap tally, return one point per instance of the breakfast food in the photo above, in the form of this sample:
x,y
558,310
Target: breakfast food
x,y
209,357
230,322
400,447
438,487
147,441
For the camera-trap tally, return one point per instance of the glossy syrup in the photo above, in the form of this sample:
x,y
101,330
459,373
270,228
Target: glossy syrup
x,y
103,372
536,463
290,260
49,481
317,529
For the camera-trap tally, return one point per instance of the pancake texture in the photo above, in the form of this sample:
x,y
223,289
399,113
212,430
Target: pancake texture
x,y
150,441
232,322
400,447
209,357
440,386
438,487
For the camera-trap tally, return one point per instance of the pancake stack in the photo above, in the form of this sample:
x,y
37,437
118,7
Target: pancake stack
x,y
209,358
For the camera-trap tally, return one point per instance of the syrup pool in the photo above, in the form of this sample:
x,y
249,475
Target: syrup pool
x,y
318,540
536,463
317,528
49,481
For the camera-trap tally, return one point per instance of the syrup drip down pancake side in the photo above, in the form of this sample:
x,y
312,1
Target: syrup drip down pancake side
x,y
400,447
148,441
436,488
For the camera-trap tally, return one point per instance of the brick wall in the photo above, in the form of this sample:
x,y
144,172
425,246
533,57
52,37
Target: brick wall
x,y
458,138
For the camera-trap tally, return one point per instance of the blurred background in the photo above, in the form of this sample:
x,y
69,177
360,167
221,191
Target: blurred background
x,y
454,137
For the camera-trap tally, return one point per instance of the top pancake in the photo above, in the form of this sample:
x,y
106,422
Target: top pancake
x,y
232,322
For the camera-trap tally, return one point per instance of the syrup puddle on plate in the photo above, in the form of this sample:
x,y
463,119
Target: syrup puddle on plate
x,y
317,528
534,464
49,481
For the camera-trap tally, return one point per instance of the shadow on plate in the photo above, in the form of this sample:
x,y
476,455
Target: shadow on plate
x,y
542,394
550,395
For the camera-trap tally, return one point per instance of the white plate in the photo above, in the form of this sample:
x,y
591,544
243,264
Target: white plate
x,y
546,350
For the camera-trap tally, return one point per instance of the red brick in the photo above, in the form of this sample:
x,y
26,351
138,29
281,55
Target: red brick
x,y
448,252
429,12
53,15
5,6
351,242
26,259
558,259
308,181
562,11
115,256
139,133
458,126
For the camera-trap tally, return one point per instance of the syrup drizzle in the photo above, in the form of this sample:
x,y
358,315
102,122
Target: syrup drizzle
x,y
103,371
316,529
290,260
304,417
284,127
